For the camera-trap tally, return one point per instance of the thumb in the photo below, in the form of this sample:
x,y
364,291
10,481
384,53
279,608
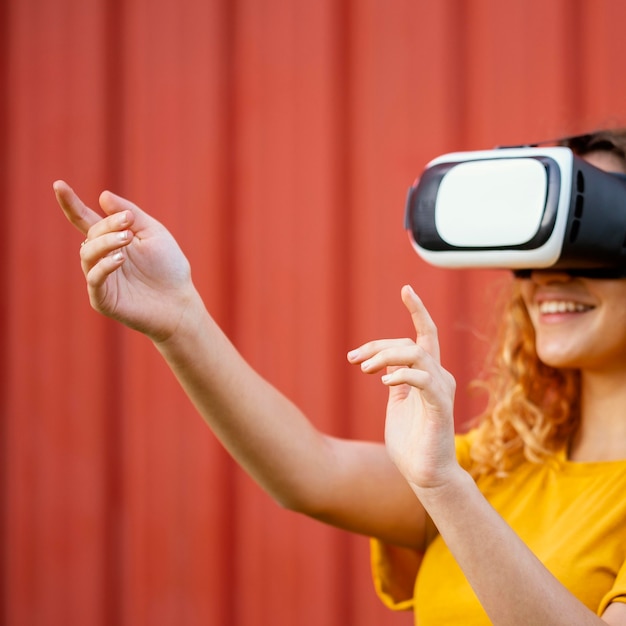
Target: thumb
x,y
111,203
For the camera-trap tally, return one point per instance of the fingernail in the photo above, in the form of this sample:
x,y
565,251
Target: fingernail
x,y
353,355
117,257
123,235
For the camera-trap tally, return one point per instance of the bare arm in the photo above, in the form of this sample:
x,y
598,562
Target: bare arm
x,y
350,484
513,586
136,273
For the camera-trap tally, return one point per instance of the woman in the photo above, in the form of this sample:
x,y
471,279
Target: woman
x,y
523,521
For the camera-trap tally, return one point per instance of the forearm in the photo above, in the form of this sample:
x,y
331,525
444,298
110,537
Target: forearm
x,y
350,484
512,585
260,427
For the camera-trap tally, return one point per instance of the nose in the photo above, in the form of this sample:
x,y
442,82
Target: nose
x,y
545,277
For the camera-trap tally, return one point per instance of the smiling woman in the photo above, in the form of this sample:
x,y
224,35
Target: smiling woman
x,y
539,395
531,499
549,455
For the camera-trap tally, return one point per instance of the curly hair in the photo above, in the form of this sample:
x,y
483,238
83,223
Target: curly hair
x,y
533,409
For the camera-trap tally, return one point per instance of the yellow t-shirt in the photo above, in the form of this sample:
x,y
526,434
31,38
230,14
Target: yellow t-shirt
x,y
571,515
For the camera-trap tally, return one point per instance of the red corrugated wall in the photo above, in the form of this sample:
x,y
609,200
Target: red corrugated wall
x,y
276,139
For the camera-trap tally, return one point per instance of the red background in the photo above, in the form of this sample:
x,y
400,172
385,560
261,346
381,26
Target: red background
x,y
276,139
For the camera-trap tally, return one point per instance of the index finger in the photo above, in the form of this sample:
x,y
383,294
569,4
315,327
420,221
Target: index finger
x,y
76,211
425,328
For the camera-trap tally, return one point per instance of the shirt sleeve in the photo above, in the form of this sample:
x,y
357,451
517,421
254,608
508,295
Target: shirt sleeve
x,y
618,591
395,569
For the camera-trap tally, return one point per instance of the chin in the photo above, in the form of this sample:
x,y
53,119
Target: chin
x,y
558,361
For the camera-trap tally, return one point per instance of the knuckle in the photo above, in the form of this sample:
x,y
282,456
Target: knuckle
x,y
420,352
427,379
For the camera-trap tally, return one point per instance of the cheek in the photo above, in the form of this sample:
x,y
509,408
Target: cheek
x,y
612,334
527,298
526,291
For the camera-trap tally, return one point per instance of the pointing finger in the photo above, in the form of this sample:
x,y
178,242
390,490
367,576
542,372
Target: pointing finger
x,y
425,328
76,211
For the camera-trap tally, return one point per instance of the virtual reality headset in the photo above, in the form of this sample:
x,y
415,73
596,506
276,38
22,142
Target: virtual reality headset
x,y
520,208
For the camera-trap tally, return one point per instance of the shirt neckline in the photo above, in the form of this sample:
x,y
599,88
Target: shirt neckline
x,y
587,466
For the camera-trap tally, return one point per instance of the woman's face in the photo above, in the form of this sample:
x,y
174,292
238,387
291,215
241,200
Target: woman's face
x,y
579,322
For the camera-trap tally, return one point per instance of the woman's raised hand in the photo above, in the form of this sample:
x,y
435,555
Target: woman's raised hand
x,y
135,270
419,430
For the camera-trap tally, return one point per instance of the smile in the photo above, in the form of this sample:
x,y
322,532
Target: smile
x,y
562,306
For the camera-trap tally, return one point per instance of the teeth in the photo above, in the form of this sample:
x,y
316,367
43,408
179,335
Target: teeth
x,y
554,306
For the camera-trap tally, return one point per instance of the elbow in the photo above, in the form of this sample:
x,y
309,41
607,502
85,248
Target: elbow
x,y
298,502
314,502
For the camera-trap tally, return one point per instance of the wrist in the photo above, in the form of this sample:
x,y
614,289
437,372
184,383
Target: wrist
x,y
185,325
449,488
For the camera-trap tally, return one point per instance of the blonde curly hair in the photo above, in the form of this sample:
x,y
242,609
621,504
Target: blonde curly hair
x,y
533,409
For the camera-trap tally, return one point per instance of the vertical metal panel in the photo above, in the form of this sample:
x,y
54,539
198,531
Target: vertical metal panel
x,y
276,140
56,486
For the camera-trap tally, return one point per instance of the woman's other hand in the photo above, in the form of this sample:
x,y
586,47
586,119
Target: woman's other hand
x,y
419,430
135,270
